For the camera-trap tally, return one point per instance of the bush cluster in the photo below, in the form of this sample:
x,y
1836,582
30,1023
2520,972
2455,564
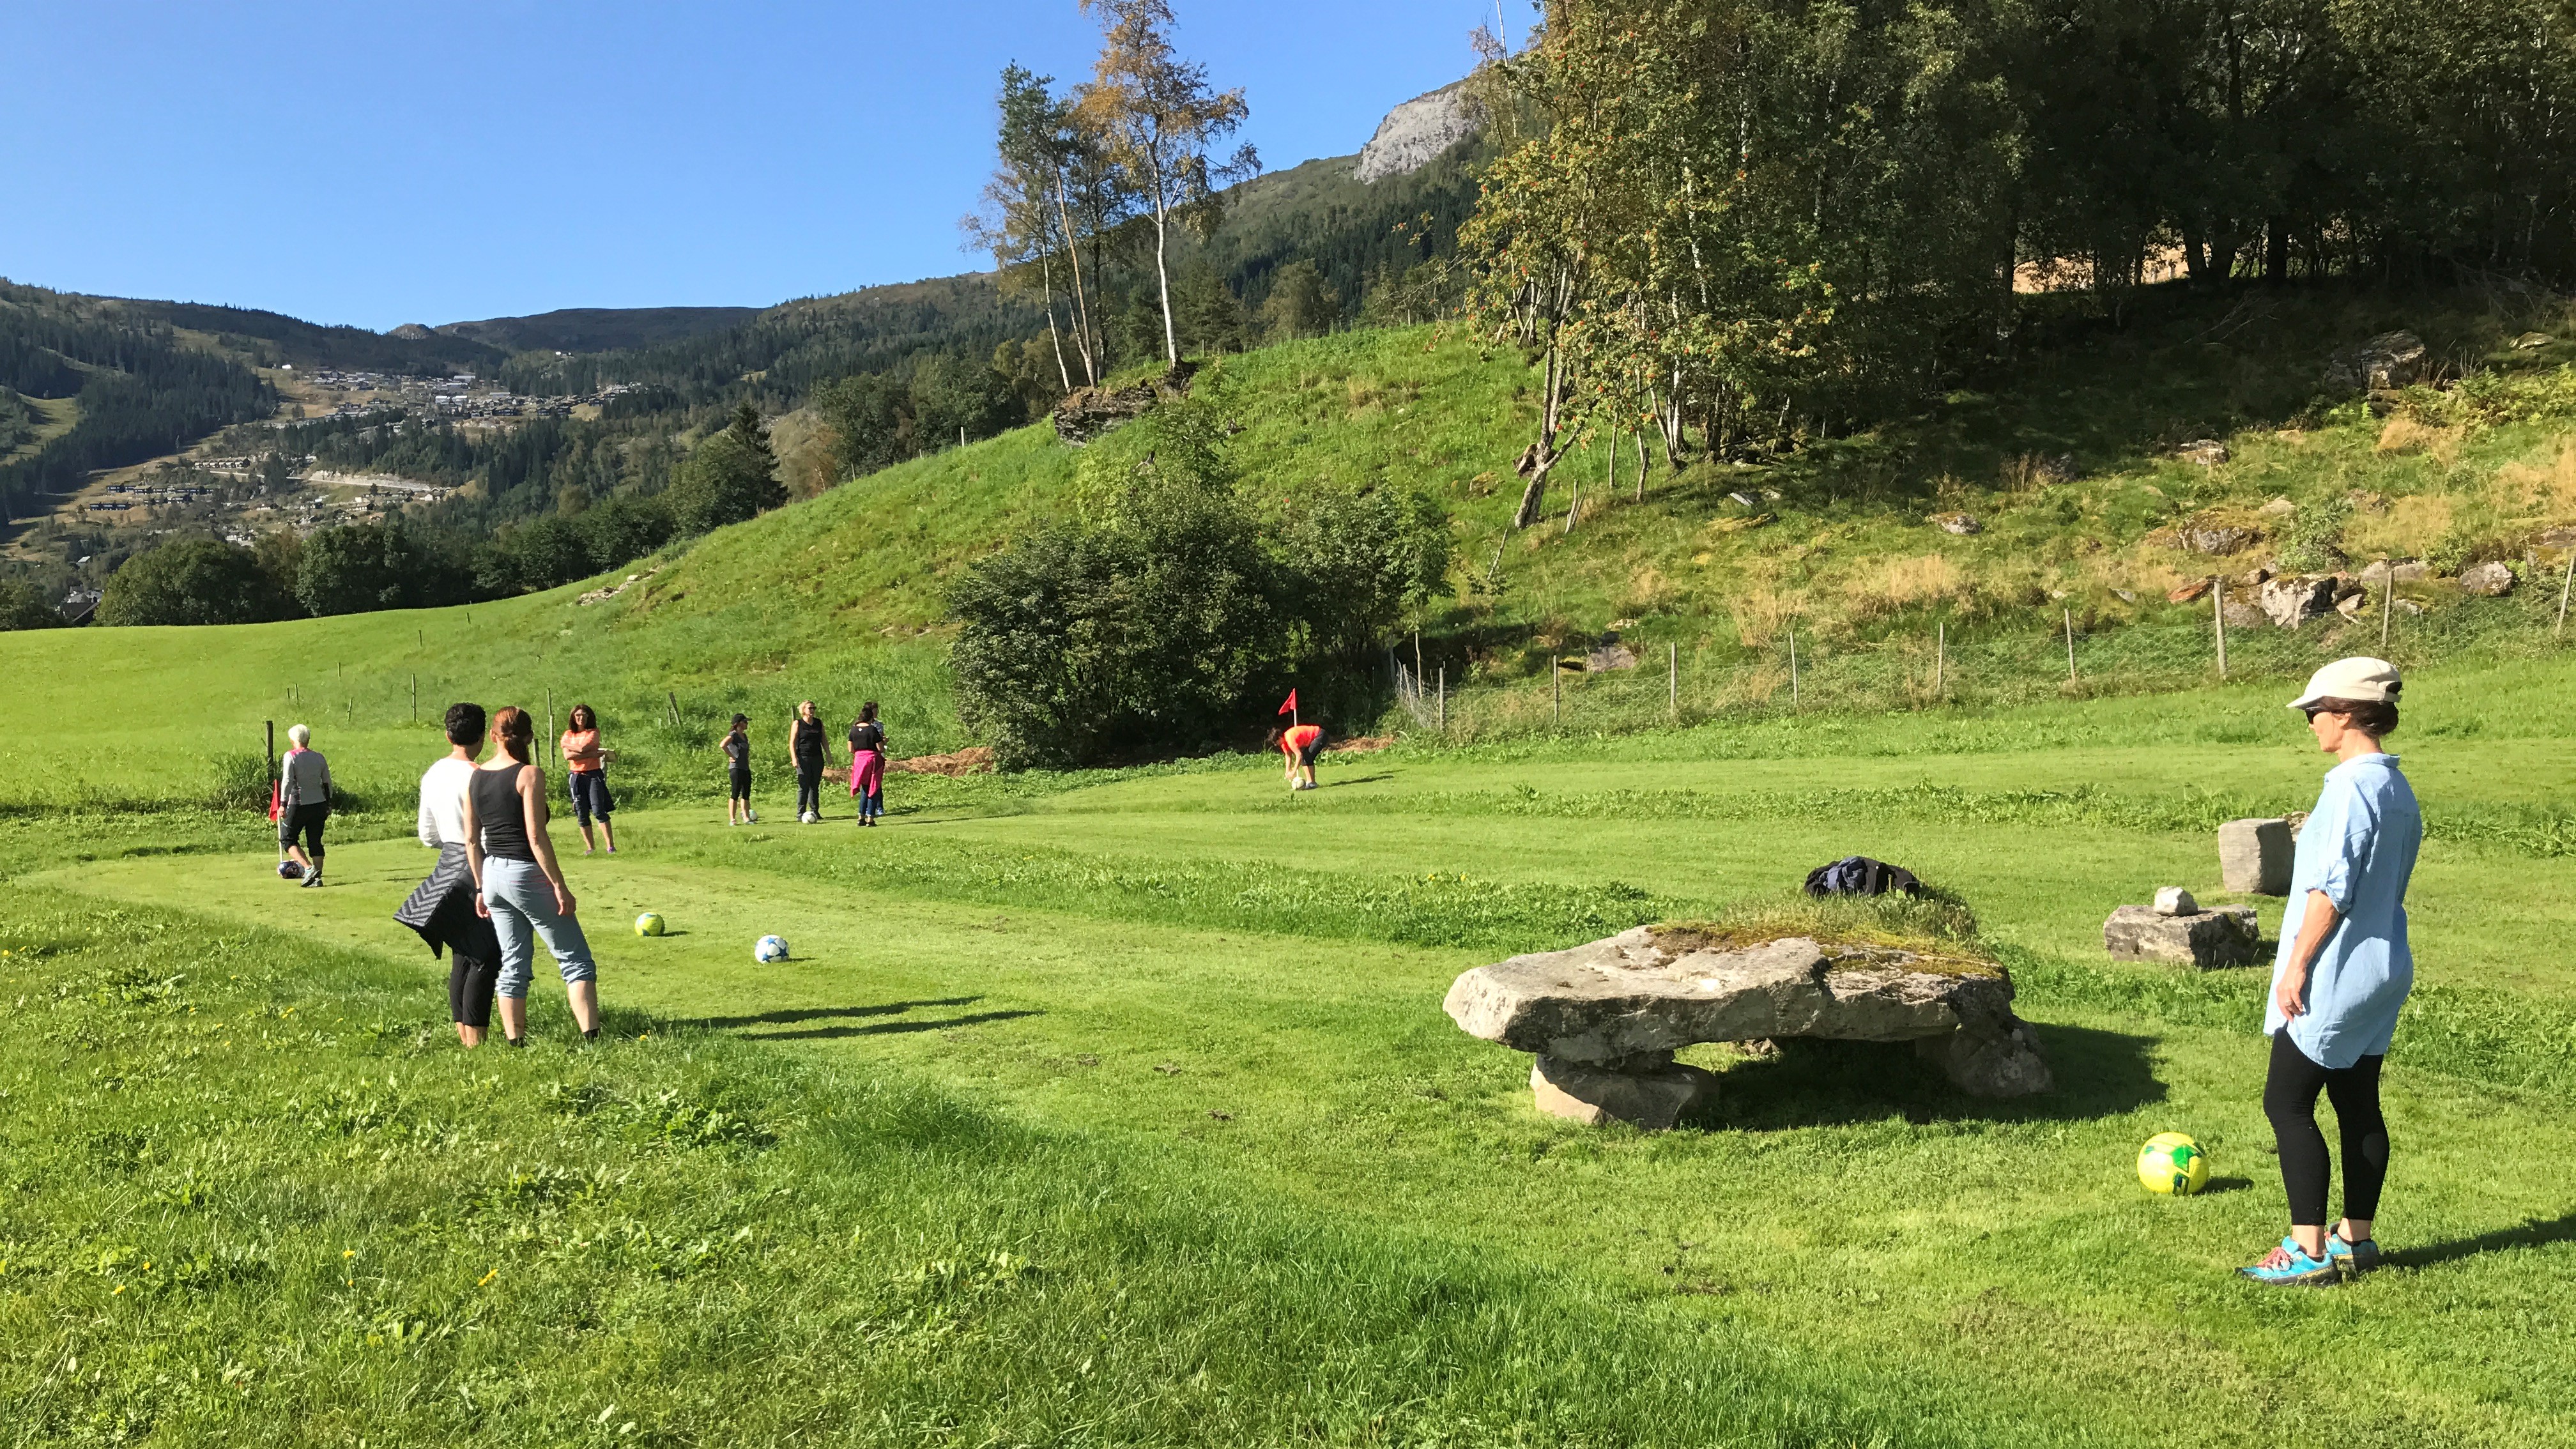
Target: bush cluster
x,y
1171,615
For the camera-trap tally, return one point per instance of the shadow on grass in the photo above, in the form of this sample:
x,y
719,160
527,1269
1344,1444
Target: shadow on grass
x,y
888,1028
2534,1233
798,1015
1829,1083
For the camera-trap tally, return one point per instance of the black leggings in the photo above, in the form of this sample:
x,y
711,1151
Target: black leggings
x,y
469,989
2290,1100
809,787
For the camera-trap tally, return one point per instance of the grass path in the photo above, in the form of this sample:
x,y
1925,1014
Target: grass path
x,y
1112,962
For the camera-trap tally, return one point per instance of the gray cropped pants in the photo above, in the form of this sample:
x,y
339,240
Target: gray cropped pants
x,y
522,902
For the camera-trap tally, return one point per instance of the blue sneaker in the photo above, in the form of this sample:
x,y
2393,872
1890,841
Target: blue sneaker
x,y
2289,1263
2354,1259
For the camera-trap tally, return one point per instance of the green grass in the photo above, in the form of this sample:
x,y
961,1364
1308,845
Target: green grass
x,y
1119,1108
1146,1073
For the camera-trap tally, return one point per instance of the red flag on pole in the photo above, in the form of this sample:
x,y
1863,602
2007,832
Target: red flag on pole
x,y
1290,708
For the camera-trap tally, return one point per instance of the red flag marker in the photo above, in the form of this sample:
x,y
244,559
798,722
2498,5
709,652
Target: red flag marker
x,y
1290,708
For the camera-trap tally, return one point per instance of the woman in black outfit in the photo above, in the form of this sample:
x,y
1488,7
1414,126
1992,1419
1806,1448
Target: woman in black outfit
x,y
805,743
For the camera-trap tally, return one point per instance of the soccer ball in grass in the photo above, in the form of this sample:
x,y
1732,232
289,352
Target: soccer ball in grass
x,y
289,870
2173,1164
771,948
649,924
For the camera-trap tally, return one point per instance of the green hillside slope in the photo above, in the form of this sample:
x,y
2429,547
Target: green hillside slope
x,y
840,597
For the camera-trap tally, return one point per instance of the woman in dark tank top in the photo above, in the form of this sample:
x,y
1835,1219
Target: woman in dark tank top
x,y
502,815
518,883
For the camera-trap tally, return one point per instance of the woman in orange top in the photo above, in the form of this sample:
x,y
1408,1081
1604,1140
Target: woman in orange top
x,y
585,774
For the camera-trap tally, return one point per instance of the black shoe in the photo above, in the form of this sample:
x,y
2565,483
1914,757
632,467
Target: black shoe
x,y
311,881
514,1041
591,1035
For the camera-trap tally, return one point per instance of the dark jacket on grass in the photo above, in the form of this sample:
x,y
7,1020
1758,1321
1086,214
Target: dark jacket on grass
x,y
441,908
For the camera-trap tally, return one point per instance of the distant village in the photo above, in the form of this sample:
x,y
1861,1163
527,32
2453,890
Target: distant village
x,y
458,397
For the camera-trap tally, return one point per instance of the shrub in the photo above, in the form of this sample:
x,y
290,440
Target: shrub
x,y
23,606
190,581
361,567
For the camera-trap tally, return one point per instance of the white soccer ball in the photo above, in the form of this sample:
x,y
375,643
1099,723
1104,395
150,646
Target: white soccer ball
x,y
771,948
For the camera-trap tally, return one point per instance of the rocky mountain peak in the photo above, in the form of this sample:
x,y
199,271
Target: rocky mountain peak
x,y
1415,133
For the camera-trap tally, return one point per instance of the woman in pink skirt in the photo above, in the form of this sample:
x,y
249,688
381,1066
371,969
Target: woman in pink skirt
x,y
867,763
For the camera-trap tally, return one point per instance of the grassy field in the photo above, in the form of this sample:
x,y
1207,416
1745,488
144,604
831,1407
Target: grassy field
x,y
1122,1110
1119,1108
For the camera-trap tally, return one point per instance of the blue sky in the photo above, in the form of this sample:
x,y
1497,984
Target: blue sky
x,y
376,164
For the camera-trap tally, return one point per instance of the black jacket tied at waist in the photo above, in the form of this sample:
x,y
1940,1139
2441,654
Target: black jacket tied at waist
x,y
442,910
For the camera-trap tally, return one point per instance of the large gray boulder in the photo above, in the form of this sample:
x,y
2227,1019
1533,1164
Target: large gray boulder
x,y
2254,857
2490,580
2293,600
1622,1006
2385,363
2227,936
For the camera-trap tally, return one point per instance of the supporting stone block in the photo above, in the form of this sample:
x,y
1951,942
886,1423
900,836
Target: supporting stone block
x,y
2254,857
1654,1097
2228,936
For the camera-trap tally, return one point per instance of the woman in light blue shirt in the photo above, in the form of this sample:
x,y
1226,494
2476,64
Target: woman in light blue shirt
x,y
2341,974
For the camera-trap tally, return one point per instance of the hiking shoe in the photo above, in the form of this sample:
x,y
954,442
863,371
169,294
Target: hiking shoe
x,y
2290,1264
310,882
2354,1259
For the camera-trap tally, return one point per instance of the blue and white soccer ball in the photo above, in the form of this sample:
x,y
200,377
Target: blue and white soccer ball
x,y
771,948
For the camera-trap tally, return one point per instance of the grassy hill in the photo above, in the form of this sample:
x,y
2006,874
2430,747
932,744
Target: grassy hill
x,y
841,597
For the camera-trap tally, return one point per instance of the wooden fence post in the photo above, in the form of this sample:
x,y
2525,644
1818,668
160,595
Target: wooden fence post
x,y
1556,680
2218,615
2070,646
1793,669
1673,678
2563,586
2388,605
1444,701
1940,656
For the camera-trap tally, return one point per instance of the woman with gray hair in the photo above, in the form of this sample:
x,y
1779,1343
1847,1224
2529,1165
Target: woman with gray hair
x,y
303,802
2343,971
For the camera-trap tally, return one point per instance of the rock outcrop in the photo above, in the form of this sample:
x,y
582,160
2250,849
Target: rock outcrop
x,y
1087,412
2385,363
1414,134
1604,1018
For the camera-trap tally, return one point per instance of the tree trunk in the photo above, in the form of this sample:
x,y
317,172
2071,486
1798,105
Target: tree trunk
x,y
2276,250
1046,272
1081,302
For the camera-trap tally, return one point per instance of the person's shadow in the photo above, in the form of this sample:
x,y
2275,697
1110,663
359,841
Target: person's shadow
x,y
2533,1233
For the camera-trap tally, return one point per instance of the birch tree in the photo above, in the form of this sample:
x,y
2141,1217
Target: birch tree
x,y
1159,122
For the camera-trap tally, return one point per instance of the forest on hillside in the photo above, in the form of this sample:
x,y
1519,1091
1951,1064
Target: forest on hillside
x,y
1720,227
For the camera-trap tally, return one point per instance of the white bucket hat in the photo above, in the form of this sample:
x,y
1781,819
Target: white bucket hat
x,y
2361,679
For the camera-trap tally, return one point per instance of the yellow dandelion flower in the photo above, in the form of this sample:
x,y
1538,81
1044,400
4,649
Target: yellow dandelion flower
x,y
119,1289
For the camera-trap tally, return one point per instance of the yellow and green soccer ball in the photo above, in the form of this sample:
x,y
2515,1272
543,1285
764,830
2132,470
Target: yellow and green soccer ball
x,y
649,924
2173,1164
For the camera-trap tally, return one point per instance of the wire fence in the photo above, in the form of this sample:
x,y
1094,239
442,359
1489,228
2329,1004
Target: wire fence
x,y
1611,690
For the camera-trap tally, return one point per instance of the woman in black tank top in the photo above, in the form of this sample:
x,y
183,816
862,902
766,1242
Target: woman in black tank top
x,y
518,883
501,814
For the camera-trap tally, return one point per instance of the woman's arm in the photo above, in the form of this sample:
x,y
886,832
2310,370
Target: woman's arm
x,y
532,801
2314,928
474,852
